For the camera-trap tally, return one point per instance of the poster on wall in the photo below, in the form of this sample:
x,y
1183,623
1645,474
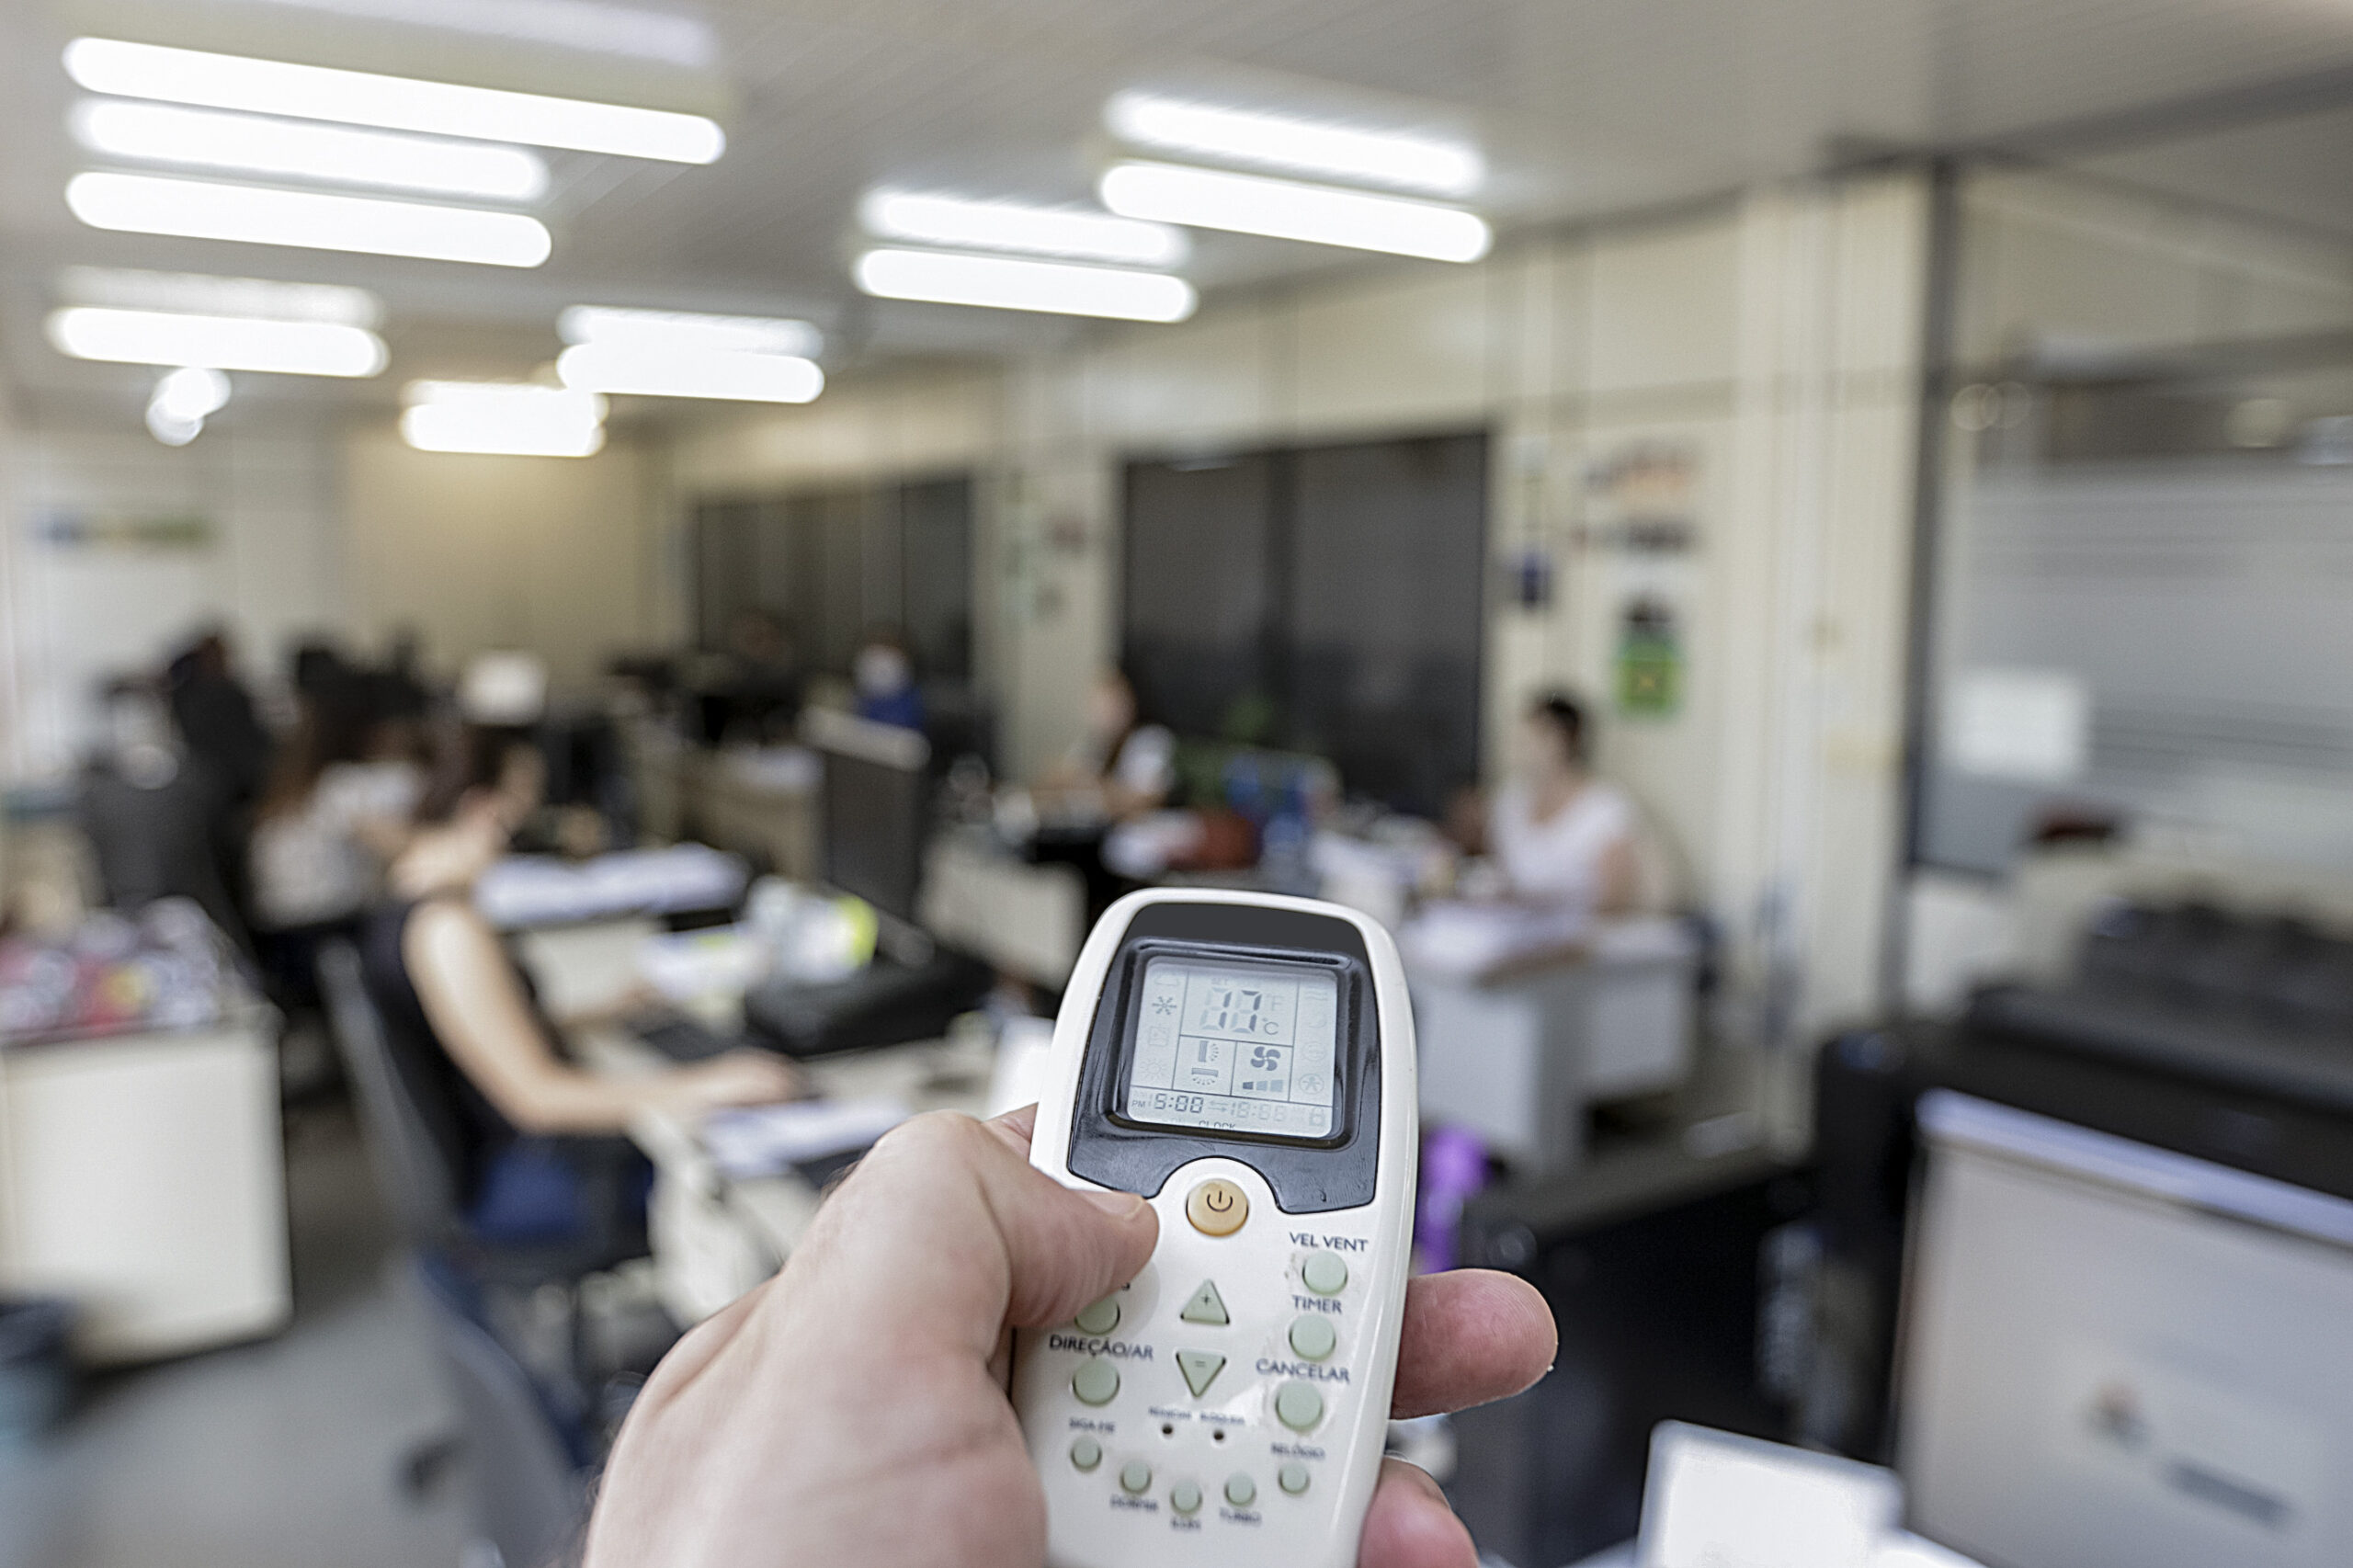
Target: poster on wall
x,y
1642,530
78,527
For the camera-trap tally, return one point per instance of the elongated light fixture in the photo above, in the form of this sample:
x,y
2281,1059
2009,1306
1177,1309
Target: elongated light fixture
x,y
202,294
962,222
1404,160
689,329
503,418
219,343
202,210
393,103
1288,209
653,370
209,139
955,278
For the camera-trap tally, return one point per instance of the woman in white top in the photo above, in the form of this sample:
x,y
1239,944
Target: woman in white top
x,y
1120,769
336,812
1562,837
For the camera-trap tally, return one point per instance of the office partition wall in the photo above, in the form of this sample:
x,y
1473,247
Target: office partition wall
x,y
1326,599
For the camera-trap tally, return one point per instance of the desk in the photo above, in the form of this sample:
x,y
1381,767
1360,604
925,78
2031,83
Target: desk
x,y
1026,920
715,1236
751,803
1515,1054
143,1176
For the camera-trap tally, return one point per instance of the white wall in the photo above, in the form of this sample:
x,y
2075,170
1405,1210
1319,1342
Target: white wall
x,y
271,566
1776,339
565,556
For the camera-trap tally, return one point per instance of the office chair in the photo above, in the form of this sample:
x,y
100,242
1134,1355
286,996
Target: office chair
x,y
408,1161
408,1164
527,1488
416,1185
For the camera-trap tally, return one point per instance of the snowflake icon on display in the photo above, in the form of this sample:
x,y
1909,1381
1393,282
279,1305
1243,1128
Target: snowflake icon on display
x,y
1163,1005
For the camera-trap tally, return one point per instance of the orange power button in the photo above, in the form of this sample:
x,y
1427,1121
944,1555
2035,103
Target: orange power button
x,y
1217,1207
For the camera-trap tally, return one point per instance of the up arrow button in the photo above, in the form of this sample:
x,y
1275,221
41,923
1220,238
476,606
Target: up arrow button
x,y
1207,1306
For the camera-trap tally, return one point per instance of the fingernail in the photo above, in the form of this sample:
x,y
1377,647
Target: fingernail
x,y
1118,1205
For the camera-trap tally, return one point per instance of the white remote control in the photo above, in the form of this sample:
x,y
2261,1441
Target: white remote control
x,y
1244,1062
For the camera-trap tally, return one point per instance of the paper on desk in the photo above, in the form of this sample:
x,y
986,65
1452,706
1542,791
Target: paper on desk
x,y
765,1139
1462,939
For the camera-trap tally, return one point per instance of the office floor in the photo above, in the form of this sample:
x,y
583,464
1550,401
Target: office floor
x,y
282,1452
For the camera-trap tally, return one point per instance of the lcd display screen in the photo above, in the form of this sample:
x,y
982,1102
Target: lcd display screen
x,y
1239,1047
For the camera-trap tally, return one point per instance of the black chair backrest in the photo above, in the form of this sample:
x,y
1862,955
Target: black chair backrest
x,y
527,1499
408,1162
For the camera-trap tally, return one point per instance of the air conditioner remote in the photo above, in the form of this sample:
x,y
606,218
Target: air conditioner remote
x,y
1246,1062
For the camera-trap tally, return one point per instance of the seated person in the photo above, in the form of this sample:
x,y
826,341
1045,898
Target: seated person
x,y
335,812
1562,837
885,681
1120,769
484,1063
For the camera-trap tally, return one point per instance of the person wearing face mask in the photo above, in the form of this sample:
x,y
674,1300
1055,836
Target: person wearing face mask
x,y
1121,767
885,680
483,1061
1563,838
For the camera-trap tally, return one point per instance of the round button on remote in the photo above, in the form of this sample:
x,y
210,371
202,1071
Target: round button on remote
x,y
1326,1273
1184,1497
1313,1337
1096,1382
1240,1490
1217,1207
1099,1317
1299,1406
1292,1478
1085,1453
1135,1476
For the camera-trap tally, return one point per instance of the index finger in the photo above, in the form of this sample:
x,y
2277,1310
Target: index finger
x,y
1470,1336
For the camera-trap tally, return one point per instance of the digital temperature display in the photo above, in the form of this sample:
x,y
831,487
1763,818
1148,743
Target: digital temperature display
x,y
1235,1048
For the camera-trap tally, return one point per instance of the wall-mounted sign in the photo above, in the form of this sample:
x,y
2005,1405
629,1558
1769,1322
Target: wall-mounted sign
x,y
1650,660
76,527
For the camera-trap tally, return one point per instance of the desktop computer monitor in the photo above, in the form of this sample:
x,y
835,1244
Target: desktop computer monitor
x,y
874,806
2120,1357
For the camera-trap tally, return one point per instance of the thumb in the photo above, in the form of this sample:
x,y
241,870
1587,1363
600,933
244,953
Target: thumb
x,y
1050,1249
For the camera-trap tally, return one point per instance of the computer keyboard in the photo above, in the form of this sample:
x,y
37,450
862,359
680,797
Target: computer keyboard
x,y
679,1038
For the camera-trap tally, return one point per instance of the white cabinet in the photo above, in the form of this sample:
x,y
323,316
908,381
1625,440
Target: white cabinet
x,y
143,1176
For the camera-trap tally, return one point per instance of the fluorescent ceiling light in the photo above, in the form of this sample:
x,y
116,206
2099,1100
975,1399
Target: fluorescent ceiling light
x,y
395,103
302,150
650,371
221,342
1286,210
960,222
195,293
569,24
193,391
504,418
690,330
145,204
183,397
953,278
1402,159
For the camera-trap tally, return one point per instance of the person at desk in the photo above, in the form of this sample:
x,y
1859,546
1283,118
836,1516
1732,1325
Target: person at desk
x,y
1120,769
1562,837
463,1020
885,680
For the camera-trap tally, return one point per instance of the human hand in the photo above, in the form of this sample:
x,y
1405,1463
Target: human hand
x,y
736,1078
853,1409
